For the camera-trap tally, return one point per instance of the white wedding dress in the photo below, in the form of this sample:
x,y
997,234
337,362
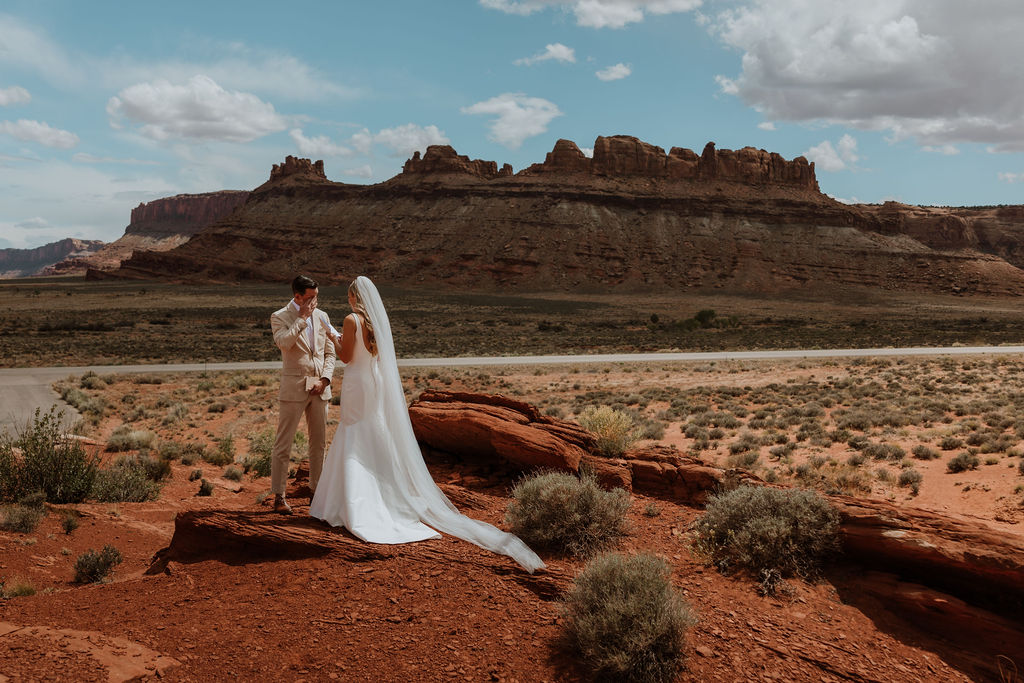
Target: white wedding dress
x,y
374,481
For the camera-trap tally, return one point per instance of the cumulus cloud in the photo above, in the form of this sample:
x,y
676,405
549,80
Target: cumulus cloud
x,y
939,71
404,140
587,152
197,110
14,95
37,131
400,141
360,172
838,158
597,13
517,117
615,72
766,125
319,146
555,51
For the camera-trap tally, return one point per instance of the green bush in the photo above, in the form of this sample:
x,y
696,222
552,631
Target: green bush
x,y
156,469
69,521
225,453
205,488
962,462
195,475
949,443
233,473
922,452
567,514
170,450
125,482
17,588
94,567
10,470
53,463
772,533
625,619
21,519
912,478
613,429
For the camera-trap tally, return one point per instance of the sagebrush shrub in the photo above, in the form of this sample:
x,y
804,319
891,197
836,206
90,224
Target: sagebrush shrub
x,y
233,473
125,482
22,519
93,567
626,620
225,453
568,514
922,452
614,430
52,462
124,438
768,532
962,462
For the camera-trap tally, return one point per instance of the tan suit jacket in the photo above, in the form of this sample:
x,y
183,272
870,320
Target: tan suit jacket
x,y
299,361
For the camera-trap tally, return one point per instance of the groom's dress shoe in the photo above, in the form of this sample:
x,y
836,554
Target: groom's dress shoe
x,y
281,506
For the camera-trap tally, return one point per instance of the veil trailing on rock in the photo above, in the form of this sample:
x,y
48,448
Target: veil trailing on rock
x,y
413,479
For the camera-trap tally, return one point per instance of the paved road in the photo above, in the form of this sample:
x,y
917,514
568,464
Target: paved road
x,y
22,390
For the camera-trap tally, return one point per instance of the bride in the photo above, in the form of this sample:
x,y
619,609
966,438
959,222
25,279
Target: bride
x,y
374,480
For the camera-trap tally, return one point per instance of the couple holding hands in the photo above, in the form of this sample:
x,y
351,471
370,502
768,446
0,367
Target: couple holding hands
x,y
372,480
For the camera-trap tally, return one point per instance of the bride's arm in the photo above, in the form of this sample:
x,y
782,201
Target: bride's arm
x,y
347,340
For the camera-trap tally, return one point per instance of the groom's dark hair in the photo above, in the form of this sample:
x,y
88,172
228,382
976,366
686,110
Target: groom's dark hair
x,y
303,282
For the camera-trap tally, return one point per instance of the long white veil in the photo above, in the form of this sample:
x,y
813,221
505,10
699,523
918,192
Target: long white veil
x,y
413,478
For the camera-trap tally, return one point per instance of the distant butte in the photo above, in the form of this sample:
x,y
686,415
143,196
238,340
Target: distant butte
x,y
630,218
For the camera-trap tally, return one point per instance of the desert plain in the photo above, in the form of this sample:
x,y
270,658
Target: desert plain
x,y
942,434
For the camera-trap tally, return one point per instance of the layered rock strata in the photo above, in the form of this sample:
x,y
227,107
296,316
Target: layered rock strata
x,y
16,263
632,218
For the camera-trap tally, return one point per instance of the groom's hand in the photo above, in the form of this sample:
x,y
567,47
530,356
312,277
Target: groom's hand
x,y
319,387
307,307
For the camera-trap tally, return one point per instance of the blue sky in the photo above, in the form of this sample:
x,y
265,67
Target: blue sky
x,y
105,104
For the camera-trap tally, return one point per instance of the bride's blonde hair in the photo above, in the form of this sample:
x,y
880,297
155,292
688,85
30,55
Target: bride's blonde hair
x,y
360,309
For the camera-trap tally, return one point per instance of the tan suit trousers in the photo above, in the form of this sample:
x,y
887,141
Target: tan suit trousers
x,y
289,414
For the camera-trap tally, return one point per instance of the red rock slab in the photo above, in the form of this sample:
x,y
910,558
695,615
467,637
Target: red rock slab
x,y
481,425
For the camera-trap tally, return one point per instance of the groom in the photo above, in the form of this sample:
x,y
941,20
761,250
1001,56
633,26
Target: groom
x,y
301,332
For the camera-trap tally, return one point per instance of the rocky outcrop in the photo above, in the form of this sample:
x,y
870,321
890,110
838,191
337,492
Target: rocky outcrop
x,y
625,156
631,219
498,427
16,263
443,160
183,214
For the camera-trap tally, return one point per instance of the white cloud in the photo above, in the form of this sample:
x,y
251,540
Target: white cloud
x,y
14,95
948,150
587,152
517,117
84,158
320,146
1011,177
360,172
766,125
555,51
198,110
404,140
37,131
597,13
32,223
615,72
939,71
838,158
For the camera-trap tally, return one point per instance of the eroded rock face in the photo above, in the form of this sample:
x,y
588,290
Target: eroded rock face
x,y
495,426
443,159
294,167
632,219
27,262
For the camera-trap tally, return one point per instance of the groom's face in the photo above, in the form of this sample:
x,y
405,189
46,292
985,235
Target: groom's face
x,y
300,299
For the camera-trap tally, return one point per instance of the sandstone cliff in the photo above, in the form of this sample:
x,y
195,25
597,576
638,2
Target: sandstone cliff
x,y
159,225
27,262
632,218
